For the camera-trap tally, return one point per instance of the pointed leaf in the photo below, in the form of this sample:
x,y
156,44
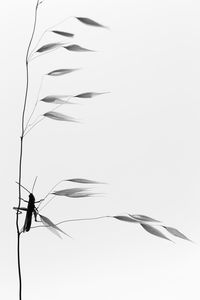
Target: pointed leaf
x,y
176,233
77,48
143,218
60,72
154,231
53,99
59,117
89,95
125,219
69,192
83,180
51,226
63,33
49,46
90,22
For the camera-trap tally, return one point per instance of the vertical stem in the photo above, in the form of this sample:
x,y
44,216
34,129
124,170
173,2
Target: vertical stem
x,y
21,154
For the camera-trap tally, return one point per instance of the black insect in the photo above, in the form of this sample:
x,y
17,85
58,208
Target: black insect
x,y
31,209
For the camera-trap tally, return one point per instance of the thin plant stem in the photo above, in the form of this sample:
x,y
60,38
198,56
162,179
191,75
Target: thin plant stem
x,y
76,220
21,153
53,189
45,203
34,108
34,125
83,219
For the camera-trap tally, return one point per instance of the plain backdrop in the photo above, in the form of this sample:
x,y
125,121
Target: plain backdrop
x,y
142,139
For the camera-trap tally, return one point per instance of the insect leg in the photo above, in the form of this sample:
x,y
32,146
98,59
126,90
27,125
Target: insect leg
x,y
35,215
24,200
39,201
21,208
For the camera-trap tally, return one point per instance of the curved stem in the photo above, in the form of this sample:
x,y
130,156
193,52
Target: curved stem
x,y
84,219
45,204
53,188
41,84
21,154
76,220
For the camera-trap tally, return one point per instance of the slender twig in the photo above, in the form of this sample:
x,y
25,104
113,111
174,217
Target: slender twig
x,y
75,220
53,188
21,153
45,203
34,125
34,108
84,219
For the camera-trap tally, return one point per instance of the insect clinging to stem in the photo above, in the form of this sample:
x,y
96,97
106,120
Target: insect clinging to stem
x,y
31,209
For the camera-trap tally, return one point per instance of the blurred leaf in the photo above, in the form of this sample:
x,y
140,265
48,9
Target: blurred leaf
x,y
69,192
143,218
90,22
89,95
125,219
52,227
83,180
60,72
50,46
154,231
77,48
63,33
176,233
53,99
59,117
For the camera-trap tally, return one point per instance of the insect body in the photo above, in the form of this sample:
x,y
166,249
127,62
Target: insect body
x,y
31,209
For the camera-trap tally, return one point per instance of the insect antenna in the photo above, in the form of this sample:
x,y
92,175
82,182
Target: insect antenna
x,y
34,184
23,187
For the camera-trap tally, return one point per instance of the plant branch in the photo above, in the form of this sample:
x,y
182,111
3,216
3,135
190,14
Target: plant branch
x,y
21,153
76,220
38,95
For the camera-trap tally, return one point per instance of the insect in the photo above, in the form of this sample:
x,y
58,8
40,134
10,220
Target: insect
x,y
31,209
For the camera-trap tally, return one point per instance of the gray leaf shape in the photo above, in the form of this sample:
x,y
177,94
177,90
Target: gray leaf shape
x,y
53,99
176,233
49,46
60,72
63,33
125,219
83,180
154,231
77,48
59,117
69,192
90,22
143,218
89,95
52,227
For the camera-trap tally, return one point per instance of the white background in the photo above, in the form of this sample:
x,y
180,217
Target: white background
x,y
142,139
